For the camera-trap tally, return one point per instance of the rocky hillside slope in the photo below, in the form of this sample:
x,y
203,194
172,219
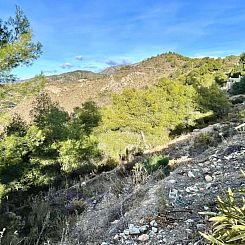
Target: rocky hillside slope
x,y
135,208
73,88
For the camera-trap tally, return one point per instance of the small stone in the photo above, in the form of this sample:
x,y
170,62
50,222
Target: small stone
x,y
133,230
153,223
154,229
104,243
116,237
205,170
126,232
208,178
143,238
115,222
191,189
190,174
172,181
144,228
173,194
142,221
190,221
208,186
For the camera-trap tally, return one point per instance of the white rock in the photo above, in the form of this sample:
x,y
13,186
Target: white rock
x,y
143,228
189,221
190,174
205,170
115,222
104,243
206,208
173,194
208,178
133,230
116,237
143,237
153,223
154,229
191,189
172,181
126,232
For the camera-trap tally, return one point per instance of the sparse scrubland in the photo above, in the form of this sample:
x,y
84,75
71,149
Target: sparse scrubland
x,y
76,164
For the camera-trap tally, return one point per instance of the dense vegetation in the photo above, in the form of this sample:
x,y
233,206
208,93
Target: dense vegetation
x,y
56,147
149,117
53,148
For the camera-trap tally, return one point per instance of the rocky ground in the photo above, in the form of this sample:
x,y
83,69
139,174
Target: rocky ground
x,y
162,210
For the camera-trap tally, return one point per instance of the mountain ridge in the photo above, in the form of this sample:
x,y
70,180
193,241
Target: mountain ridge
x,y
71,89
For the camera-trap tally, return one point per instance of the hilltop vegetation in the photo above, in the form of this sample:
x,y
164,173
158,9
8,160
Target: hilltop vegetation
x,y
74,88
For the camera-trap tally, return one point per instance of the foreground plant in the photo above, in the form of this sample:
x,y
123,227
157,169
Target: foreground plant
x,y
229,222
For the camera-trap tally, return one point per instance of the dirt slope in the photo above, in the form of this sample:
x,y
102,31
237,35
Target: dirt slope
x,y
161,210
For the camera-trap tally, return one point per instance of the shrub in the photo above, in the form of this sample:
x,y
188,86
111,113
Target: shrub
x,y
229,221
16,126
50,118
213,99
238,88
142,170
155,162
75,155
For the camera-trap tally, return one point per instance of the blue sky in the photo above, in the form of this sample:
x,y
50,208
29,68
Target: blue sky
x,y
95,34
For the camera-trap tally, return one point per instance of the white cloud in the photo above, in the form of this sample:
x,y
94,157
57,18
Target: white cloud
x,y
118,62
66,65
79,57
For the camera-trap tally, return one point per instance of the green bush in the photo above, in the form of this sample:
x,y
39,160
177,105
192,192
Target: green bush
x,y
229,222
156,162
16,126
238,88
142,170
75,155
213,99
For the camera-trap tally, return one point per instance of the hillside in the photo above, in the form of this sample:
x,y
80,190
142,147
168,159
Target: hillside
x,y
120,168
142,209
71,89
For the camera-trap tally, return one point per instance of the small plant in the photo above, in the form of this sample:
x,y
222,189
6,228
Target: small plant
x,y
139,174
203,139
142,170
108,165
117,187
229,222
78,205
156,162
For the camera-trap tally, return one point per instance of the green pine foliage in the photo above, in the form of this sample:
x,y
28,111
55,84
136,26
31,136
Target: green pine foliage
x,y
171,106
16,45
213,99
239,87
37,154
